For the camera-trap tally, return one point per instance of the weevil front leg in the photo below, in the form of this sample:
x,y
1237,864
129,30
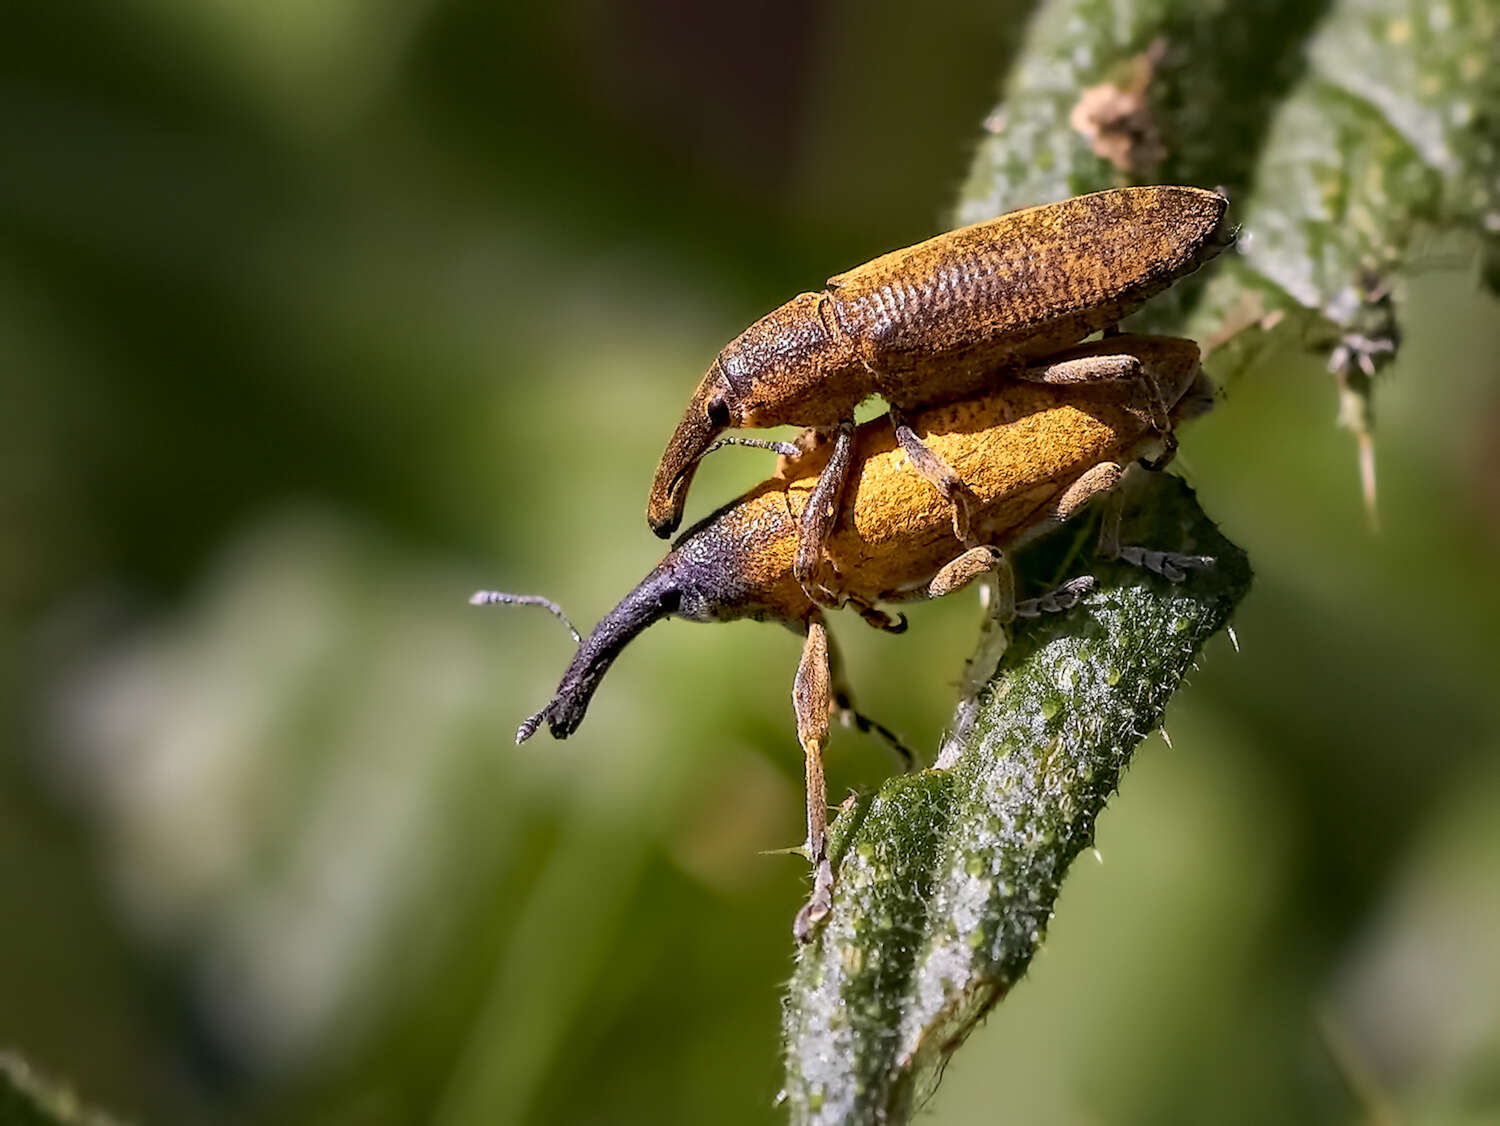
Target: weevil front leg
x,y
937,473
820,513
811,697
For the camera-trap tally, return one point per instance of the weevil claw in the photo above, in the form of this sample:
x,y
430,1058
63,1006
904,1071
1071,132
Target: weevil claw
x,y
818,905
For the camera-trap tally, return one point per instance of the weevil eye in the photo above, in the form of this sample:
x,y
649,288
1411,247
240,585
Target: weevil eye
x,y
718,411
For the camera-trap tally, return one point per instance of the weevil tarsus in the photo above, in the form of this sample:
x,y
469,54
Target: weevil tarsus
x,y
850,716
1171,565
876,618
1059,599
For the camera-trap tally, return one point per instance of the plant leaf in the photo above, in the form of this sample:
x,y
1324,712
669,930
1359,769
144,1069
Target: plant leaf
x,y
947,878
1346,134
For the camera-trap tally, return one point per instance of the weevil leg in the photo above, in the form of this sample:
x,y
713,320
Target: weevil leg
x,y
1168,451
1161,422
1172,565
972,564
811,695
820,513
842,704
1103,478
876,618
1083,369
937,473
992,562
992,565
1058,599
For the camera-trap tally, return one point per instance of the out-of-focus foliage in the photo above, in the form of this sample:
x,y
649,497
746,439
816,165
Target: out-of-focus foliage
x,y
26,1099
317,317
1349,135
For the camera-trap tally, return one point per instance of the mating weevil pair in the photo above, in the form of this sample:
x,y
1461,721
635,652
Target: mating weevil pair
x,y
1011,426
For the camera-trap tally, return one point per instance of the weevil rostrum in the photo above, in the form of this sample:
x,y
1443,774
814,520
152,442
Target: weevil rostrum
x,y
934,323
1031,452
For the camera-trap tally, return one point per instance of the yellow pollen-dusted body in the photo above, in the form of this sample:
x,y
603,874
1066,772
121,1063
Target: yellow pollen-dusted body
x,y
1017,450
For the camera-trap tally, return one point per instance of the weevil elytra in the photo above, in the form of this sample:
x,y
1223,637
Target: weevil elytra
x,y
1031,453
937,322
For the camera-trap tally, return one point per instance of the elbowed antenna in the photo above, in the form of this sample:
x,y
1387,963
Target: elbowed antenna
x,y
657,596
499,597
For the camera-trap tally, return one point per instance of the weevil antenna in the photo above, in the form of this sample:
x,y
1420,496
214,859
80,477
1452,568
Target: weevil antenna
x,y
499,597
785,449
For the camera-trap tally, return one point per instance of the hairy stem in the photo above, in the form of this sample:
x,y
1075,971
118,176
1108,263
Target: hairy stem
x,y
946,879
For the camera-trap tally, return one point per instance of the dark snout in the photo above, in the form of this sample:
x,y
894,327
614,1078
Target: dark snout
x,y
656,597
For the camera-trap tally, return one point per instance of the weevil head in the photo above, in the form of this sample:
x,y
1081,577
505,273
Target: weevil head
x,y
654,599
714,409
699,580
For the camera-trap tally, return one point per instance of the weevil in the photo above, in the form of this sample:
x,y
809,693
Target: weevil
x,y
933,323
1032,453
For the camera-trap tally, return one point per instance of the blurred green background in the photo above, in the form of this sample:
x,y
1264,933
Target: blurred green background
x,y
315,317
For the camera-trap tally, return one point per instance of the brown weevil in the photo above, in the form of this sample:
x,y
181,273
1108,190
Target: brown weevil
x,y
1031,453
934,323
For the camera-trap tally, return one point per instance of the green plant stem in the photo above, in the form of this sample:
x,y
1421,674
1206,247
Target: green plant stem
x,y
947,878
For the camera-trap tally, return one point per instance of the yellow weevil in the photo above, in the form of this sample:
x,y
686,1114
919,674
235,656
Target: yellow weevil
x,y
934,323
1031,453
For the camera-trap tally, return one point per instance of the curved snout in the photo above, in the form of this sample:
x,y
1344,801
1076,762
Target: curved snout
x,y
675,472
656,597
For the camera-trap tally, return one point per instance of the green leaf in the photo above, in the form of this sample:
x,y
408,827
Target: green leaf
x,y
1347,136
947,878
27,1099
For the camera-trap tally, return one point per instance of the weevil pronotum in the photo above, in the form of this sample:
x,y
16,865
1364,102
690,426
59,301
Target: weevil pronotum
x,y
1031,454
934,323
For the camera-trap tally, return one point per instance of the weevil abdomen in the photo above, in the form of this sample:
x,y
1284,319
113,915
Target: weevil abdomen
x,y
936,320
